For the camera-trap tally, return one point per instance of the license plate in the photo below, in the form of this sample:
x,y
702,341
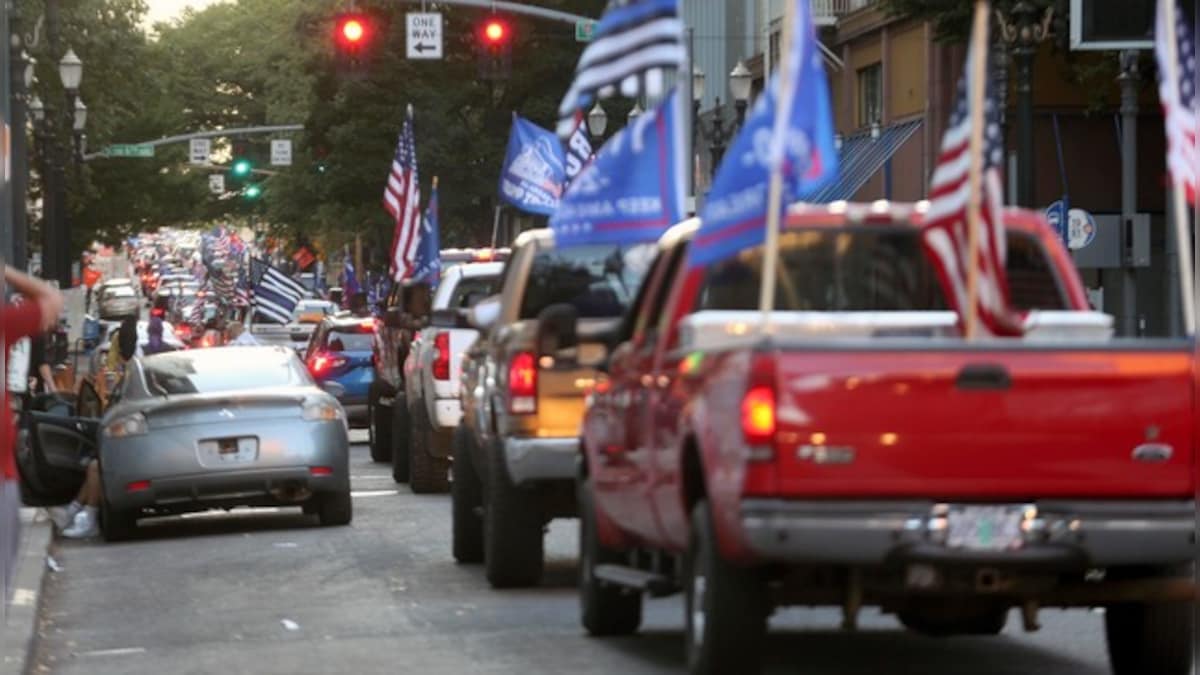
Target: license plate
x,y
230,450
984,528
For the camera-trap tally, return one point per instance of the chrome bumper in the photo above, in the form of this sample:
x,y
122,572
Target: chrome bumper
x,y
537,459
1072,533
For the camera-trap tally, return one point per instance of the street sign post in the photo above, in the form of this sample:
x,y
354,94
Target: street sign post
x,y
584,30
216,183
129,150
199,151
424,35
281,152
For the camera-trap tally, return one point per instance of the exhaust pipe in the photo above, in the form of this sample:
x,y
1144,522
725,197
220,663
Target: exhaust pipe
x,y
291,492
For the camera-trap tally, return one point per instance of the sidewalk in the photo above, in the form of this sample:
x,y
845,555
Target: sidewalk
x,y
20,624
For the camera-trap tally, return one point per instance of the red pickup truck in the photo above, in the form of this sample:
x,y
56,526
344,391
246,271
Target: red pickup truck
x,y
855,451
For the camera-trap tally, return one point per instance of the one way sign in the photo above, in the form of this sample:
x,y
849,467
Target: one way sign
x,y
424,36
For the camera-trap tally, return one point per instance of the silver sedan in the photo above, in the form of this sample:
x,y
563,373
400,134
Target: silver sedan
x,y
218,428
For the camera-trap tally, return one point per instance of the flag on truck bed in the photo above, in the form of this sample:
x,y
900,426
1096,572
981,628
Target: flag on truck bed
x,y
427,267
954,208
1175,49
275,293
634,42
402,199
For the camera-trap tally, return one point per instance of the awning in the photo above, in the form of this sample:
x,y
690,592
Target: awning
x,y
861,157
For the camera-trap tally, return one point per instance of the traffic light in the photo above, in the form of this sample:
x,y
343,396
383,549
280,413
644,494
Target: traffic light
x,y
252,192
352,33
242,167
495,49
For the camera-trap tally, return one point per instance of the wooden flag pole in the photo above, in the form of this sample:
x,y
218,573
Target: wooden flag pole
x,y
1183,244
979,47
766,294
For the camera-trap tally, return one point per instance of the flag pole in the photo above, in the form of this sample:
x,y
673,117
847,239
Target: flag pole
x,y
979,46
766,289
1187,289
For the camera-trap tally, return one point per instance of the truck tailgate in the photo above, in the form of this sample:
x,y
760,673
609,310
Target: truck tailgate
x,y
981,423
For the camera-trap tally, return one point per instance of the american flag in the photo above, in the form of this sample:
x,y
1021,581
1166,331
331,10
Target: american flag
x,y
242,294
945,228
1178,94
402,199
275,293
634,42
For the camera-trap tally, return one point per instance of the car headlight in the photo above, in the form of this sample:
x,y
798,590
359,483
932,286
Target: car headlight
x,y
124,427
321,411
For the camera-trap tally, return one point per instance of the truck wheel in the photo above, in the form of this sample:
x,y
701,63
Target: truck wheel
x,y
1149,639
400,431
379,426
426,474
726,606
336,508
607,609
466,500
116,525
512,529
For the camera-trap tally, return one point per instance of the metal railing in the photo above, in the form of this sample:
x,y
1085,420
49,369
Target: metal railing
x,y
829,11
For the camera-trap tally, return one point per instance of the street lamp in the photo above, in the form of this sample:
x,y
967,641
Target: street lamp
x,y
80,116
719,132
740,81
1023,33
697,83
70,69
597,121
37,109
634,112
48,125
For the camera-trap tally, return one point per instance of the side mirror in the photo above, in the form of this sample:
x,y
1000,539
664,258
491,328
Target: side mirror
x,y
334,389
393,318
556,328
485,313
449,318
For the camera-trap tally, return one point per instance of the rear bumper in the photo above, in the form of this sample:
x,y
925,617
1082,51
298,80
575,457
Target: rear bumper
x,y
1067,534
540,459
250,487
447,413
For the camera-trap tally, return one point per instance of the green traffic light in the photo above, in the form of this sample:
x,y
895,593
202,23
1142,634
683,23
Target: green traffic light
x,y
253,192
241,167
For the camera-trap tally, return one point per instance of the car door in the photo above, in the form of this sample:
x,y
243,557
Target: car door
x,y
51,448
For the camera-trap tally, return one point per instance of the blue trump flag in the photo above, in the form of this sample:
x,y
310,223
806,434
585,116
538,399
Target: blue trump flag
x,y
634,189
350,285
791,127
427,268
534,168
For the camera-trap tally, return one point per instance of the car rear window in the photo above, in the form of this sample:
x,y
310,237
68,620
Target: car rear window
x,y
599,280
471,290
339,340
867,270
120,292
216,370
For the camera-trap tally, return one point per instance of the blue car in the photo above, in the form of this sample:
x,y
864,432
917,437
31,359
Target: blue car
x,y
340,351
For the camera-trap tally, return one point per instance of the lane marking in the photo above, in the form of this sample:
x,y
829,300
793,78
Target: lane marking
x,y
120,651
373,493
23,597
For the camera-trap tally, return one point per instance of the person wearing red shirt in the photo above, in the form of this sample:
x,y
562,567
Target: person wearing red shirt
x,y
38,314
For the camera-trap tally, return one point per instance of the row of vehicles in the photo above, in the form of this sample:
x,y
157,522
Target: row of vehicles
x,y
848,449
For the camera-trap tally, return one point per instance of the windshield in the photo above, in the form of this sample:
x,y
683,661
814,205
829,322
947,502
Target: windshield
x,y
866,270
120,292
599,280
205,371
348,341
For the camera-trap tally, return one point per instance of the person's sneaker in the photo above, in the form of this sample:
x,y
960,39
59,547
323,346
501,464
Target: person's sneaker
x,y
85,525
63,516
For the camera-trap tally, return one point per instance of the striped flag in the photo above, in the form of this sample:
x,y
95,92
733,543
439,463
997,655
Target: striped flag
x,y
402,199
241,293
946,236
275,293
634,42
1178,93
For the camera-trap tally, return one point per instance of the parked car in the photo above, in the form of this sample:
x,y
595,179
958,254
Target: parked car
x,y
432,372
340,351
858,453
117,302
194,430
516,450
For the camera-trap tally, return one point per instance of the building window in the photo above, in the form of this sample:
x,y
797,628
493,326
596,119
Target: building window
x,y
870,95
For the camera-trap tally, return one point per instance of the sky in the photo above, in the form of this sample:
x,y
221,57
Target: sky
x,y
163,10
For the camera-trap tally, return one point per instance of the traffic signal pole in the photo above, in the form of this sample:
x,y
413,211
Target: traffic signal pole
x,y
221,133
516,8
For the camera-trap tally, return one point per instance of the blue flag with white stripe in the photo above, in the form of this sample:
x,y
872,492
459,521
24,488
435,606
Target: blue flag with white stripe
x,y
275,293
791,129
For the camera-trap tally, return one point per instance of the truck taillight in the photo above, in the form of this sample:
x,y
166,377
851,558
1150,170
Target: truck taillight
x,y
758,415
760,426
441,361
522,384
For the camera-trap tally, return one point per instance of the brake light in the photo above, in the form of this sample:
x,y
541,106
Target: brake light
x,y
760,424
441,361
320,364
485,255
157,311
522,384
138,486
368,325
320,471
758,415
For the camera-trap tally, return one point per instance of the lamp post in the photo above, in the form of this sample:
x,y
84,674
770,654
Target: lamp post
x,y
1023,33
740,81
597,121
634,112
21,77
718,132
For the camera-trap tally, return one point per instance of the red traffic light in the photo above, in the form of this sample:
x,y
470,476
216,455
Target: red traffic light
x,y
495,31
352,31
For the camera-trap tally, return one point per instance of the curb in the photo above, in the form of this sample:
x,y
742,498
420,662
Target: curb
x,y
19,637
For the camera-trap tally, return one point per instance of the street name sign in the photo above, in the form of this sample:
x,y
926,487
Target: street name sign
x,y
424,35
199,150
584,30
281,152
129,150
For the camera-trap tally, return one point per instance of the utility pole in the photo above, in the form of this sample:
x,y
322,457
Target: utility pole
x,y
19,143
1129,112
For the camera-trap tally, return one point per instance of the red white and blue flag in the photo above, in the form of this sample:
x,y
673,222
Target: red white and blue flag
x,y
1178,94
402,199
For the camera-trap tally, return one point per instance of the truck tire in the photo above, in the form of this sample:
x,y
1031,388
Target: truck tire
x,y
606,609
335,508
426,474
400,431
116,525
725,610
466,500
1149,639
379,426
513,552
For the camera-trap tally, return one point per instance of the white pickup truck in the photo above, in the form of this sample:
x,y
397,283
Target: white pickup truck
x,y
432,369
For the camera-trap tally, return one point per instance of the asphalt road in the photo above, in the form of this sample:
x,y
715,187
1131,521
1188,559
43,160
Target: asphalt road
x,y
271,592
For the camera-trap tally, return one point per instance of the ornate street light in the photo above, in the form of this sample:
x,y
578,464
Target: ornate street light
x,y
80,115
70,69
1023,33
697,83
740,82
597,121
37,108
